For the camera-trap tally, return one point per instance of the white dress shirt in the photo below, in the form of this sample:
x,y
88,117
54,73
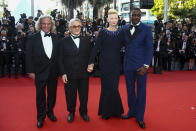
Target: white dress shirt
x,y
158,46
184,45
47,42
133,28
76,41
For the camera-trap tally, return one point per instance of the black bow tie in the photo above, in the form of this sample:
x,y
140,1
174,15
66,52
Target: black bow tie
x,y
75,37
131,26
49,34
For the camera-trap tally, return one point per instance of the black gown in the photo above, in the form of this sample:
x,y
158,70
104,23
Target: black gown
x,y
109,44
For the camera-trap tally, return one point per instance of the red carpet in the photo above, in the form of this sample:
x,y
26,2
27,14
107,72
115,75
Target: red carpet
x,y
171,106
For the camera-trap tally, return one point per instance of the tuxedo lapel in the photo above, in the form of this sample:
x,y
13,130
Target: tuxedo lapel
x,y
137,31
42,47
73,43
81,45
133,36
128,31
54,40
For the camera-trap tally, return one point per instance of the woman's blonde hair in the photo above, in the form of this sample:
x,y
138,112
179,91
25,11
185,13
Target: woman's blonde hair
x,y
38,24
112,11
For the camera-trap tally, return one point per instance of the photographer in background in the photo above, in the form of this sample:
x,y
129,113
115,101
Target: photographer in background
x,y
31,30
60,27
39,13
85,29
54,14
23,19
60,23
29,22
158,26
5,57
11,19
79,15
19,56
121,21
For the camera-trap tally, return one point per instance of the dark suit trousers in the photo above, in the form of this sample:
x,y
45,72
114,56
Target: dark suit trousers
x,y
137,103
71,88
157,66
182,60
51,85
168,62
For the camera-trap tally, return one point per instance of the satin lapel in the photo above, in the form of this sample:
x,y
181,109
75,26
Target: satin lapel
x,y
42,46
128,32
53,45
73,43
80,45
137,31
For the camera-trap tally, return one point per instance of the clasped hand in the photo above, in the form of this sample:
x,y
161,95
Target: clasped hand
x,y
142,70
31,75
90,67
64,78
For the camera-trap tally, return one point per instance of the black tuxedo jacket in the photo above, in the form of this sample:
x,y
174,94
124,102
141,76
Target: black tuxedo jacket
x,y
73,61
162,47
36,59
181,44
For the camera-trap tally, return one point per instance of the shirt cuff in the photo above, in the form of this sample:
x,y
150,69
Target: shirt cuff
x,y
146,65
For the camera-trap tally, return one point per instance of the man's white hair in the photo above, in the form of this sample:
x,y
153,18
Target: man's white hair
x,y
19,24
74,19
38,24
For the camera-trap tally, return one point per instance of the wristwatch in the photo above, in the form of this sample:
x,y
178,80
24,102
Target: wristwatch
x,y
146,66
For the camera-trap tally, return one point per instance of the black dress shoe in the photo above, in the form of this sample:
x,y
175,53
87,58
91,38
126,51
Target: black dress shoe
x,y
9,75
52,117
85,117
141,124
40,123
2,75
70,117
16,76
106,118
127,116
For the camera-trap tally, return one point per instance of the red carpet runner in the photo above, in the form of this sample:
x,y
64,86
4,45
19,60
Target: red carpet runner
x,y
171,106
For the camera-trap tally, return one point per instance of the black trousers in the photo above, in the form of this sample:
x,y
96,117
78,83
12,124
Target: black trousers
x,y
5,59
71,88
182,57
42,108
168,62
157,66
19,58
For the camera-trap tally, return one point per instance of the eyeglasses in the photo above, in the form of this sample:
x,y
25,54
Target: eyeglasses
x,y
74,26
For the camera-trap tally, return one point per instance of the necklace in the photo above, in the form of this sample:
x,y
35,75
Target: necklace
x,y
111,28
